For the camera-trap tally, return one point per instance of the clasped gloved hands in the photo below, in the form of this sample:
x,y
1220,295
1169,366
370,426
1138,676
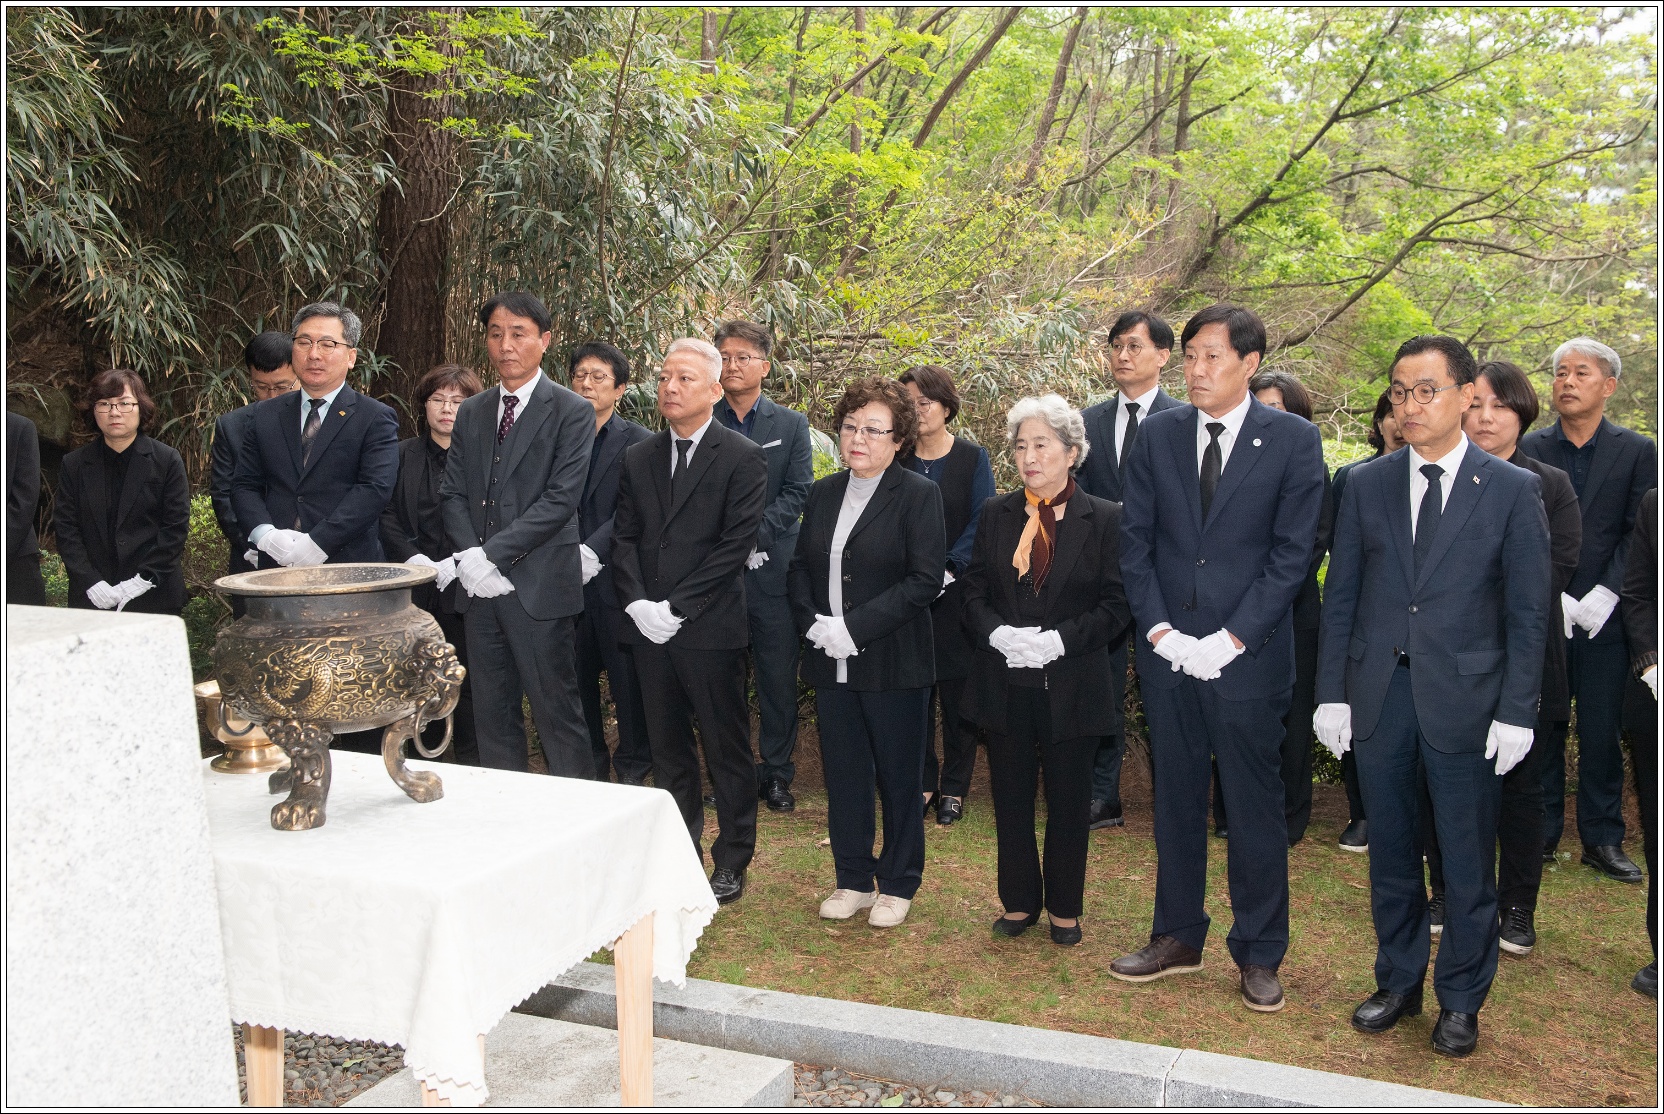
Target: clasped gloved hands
x,y
292,548
830,634
654,619
480,577
1591,612
445,570
1012,642
755,561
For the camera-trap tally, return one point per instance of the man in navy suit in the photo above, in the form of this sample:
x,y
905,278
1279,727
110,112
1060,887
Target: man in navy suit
x,y
1435,615
1219,518
1140,345
783,435
1611,469
316,466
600,373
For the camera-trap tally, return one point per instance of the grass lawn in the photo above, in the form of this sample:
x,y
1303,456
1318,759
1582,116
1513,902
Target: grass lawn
x,y
1561,1027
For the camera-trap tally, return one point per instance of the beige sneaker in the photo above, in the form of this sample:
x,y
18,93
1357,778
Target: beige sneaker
x,y
888,911
844,904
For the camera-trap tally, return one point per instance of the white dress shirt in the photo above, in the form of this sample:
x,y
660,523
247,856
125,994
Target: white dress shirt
x,y
1450,462
856,497
1227,440
696,436
1121,401
306,398
524,394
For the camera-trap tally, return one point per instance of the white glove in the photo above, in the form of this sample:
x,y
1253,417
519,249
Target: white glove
x,y
1211,655
102,596
1650,679
1041,649
834,637
472,566
654,620
280,544
590,562
131,589
1569,610
1507,744
755,561
1333,724
1010,642
252,557
306,553
492,585
947,578
1595,608
445,570
1176,646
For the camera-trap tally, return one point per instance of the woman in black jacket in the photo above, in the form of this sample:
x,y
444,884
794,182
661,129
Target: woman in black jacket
x,y
869,561
123,507
1044,605
413,531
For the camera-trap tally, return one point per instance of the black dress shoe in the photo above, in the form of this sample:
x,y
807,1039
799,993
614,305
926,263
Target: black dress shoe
x,y
1067,937
1611,861
1456,1033
777,795
934,799
1222,832
1105,814
1014,926
1549,853
949,809
636,781
1381,1010
1435,914
1519,935
1646,980
727,884
1355,837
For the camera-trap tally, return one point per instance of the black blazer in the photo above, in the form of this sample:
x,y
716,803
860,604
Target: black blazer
x,y
892,569
691,552
1640,596
401,530
1083,601
151,526
22,487
783,435
600,502
339,496
1565,536
1100,472
1308,605
229,430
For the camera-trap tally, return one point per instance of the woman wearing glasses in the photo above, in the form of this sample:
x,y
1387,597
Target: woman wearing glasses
x,y
123,506
413,529
869,560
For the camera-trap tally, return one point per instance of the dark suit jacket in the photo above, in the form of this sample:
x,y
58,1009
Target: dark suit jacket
x,y
1308,605
1100,472
22,487
1640,596
151,525
783,435
1474,622
600,501
892,569
401,529
1239,570
338,497
691,552
541,468
1624,467
229,430
1082,601
1565,533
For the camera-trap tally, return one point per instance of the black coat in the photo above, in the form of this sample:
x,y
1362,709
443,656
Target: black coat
x,y
151,525
1083,601
600,503
1640,595
229,431
692,551
1565,536
22,487
892,569
401,526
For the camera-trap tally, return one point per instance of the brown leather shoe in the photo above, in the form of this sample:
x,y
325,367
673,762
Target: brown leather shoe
x,y
1161,956
1261,991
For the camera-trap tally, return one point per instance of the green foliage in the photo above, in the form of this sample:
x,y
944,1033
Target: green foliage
x,y
57,580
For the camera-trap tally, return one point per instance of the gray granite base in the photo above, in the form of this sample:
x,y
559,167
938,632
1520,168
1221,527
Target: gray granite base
x,y
961,1053
536,1062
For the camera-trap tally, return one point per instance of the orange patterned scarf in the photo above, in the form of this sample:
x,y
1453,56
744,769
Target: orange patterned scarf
x,y
1039,539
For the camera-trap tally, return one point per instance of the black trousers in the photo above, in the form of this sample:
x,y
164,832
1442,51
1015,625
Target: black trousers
x,y
774,648
518,658
952,776
868,737
464,745
600,651
679,686
24,583
1189,724
1596,671
1295,763
1641,726
1027,884
1111,749
1354,792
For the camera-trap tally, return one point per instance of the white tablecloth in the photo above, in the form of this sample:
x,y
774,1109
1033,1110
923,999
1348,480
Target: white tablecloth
x,y
423,924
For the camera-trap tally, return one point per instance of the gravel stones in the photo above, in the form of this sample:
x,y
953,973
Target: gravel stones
x,y
817,1086
323,1071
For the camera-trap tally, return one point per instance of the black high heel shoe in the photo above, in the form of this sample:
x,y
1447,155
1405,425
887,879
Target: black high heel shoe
x,y
1011,926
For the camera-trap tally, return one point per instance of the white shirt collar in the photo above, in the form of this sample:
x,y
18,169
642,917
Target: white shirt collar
x,y
1233,418
1450,462
524,393
329,399
1142,401
696,436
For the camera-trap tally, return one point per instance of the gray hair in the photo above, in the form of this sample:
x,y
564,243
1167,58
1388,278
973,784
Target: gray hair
x,y
1589,346
704,348
1062,419
351,327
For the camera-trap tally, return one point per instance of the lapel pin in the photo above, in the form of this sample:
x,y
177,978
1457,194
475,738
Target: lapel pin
x,y
1476,479
1256,442
343,414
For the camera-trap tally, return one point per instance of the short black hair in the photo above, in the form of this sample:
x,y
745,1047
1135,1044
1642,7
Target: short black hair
x,y
521,304
605,352
757,336
1244,325
1296,399
1513,389
269,351
1457,358
1383,407
1161,333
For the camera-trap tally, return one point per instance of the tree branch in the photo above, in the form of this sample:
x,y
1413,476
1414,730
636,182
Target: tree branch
x,y
606,170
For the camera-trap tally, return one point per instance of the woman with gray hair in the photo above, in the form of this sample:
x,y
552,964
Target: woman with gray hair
x,y
1044,606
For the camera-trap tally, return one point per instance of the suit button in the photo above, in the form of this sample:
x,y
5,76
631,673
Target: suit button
x,y
492,503
847,578
496,460
482,502
1412,609
664,545
493,479
1201,561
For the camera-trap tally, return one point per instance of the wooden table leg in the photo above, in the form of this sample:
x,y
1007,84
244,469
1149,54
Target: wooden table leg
x,y
632,957
263,1065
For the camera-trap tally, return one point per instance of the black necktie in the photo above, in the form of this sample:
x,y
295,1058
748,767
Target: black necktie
x,y
1427,517
683,448
1129,436
1211,466
309,432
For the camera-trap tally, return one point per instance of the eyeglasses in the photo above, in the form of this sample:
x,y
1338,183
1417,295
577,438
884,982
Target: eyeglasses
x,y
1423,393
1130,347
445,403
326,345
744,360
852,431
112,405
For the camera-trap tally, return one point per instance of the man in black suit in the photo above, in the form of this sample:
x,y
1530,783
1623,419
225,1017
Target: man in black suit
x,y
1611,468
270,374
1435,615
600,374
23,580
689,504
784,437
316,466
1140,345
1217,529
514,477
